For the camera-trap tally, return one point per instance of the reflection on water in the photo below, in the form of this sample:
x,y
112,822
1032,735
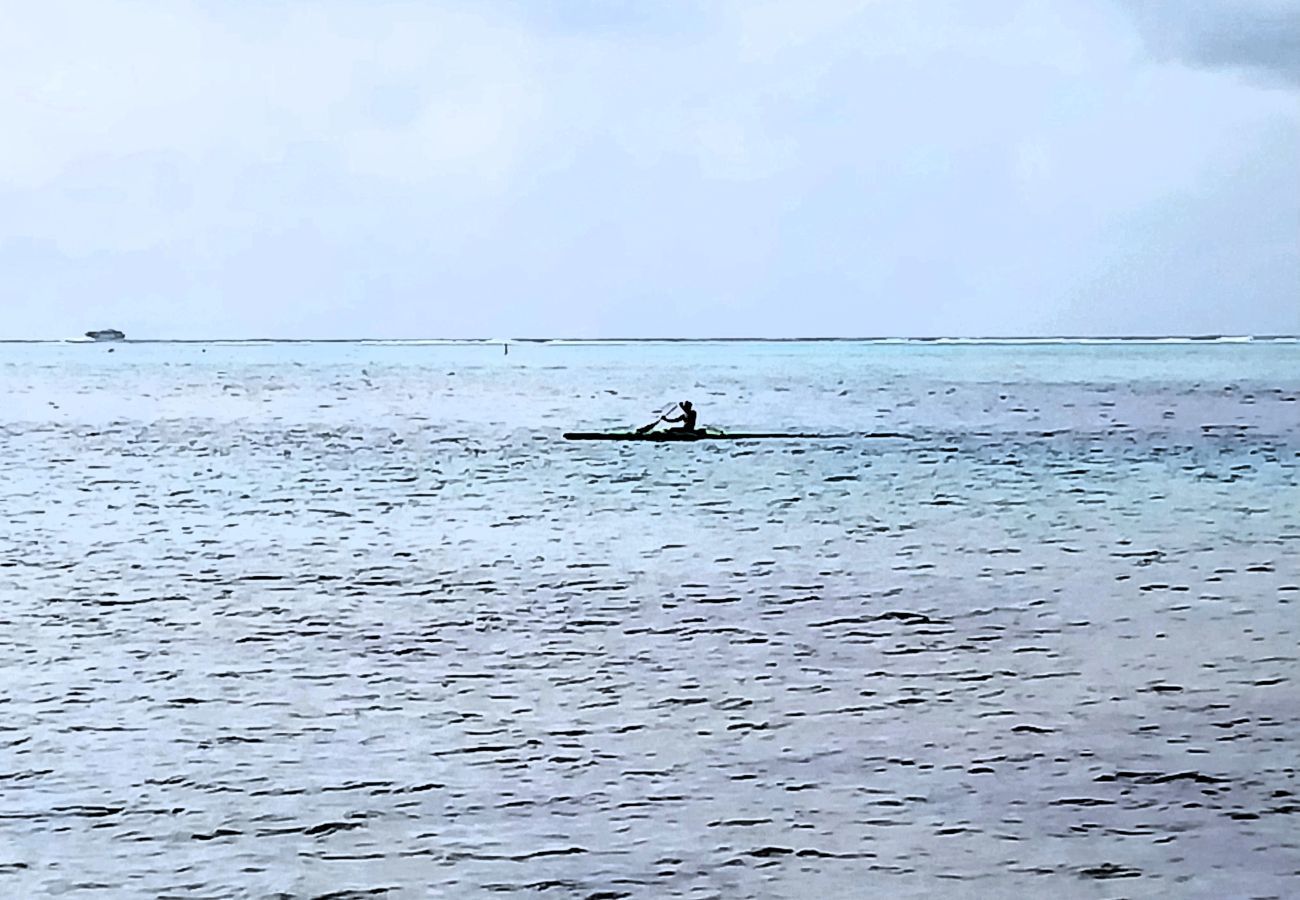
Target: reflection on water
x,y
302,620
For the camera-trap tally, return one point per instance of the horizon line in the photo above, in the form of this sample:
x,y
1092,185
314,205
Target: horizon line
x,y
1206,337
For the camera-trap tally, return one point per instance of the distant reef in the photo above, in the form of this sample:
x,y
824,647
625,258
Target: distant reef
x,y
106,334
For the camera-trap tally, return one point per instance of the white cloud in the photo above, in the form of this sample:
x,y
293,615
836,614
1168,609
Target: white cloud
x,y
832,166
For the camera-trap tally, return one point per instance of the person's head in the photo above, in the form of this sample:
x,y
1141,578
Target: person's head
x,y
685,404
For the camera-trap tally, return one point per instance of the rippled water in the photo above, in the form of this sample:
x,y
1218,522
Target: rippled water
x,y
292,620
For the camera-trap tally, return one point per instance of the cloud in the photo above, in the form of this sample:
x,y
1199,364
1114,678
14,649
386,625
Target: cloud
x,y
398,168
1257,36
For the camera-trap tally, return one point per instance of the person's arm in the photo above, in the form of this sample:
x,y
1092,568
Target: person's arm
x,y
680,418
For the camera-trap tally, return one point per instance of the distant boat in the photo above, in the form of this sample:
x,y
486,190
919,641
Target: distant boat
x,y
701,435
106,334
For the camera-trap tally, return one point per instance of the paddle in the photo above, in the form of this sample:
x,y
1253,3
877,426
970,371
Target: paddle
x,y
663,411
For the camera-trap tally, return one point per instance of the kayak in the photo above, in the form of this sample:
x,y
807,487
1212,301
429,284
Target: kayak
x,y
665,436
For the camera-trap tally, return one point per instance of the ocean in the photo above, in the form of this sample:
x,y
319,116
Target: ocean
x,y
352,619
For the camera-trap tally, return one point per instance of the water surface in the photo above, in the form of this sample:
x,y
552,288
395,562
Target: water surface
x,y
300,619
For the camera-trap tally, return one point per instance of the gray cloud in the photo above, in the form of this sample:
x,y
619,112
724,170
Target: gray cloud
x,y
1257,36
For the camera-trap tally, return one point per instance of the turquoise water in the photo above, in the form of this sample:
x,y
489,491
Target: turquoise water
x,y
301,618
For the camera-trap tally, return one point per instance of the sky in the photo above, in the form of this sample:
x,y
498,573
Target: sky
x,y
611,168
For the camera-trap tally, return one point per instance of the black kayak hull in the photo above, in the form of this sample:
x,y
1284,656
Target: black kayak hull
x,y
673,436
